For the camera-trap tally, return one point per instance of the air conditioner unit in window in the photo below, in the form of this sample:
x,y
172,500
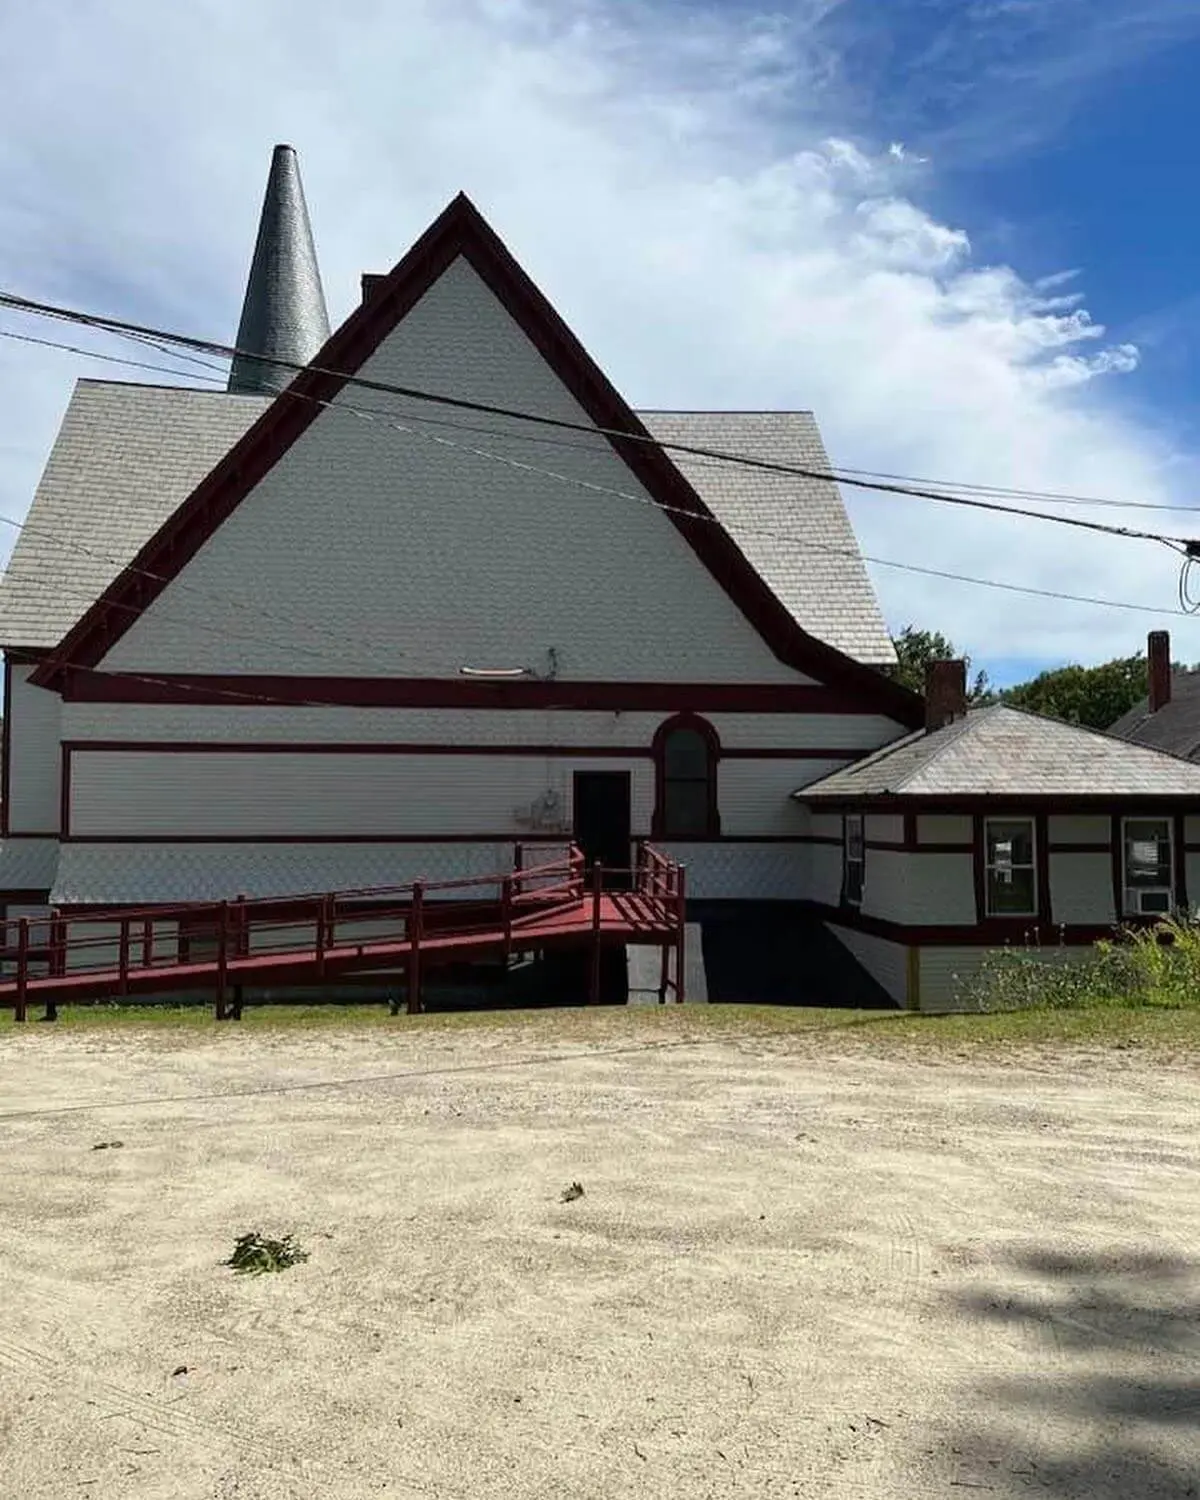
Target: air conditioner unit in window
x,y
1154,901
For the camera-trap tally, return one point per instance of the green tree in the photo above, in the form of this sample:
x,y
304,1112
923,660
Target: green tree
x,y
1094,697
915,649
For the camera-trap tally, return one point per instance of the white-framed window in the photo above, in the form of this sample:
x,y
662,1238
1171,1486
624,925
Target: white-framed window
x,y
853,859
1010,867
1147,866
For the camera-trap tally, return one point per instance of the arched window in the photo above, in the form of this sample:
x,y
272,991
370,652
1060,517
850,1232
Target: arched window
x,y
686,750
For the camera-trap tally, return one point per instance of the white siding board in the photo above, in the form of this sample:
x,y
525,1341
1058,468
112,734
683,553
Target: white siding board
x,y
755,795
1081,888
946,973
827,825
920,889
1079,828
399,554
826,874
943,828
146,792
885,961
34,772
1192,875
444,726
889,827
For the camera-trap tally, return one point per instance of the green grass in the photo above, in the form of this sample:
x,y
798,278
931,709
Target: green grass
x,y
1174,1029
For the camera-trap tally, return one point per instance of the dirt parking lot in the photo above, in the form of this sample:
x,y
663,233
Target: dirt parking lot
x,y
818,1265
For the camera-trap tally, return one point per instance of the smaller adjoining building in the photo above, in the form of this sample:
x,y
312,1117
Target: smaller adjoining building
x,y
993,827
1168,717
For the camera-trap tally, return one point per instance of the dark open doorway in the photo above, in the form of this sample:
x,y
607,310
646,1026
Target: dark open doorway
x,y
602,821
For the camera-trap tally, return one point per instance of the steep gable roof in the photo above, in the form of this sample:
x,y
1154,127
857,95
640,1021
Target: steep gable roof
x,y
1007,753
459,231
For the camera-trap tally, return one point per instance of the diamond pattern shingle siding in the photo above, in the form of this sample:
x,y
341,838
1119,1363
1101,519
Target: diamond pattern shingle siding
x,y
127,456
1003,752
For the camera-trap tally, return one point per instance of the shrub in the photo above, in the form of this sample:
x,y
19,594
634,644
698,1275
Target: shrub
x,y
1157,966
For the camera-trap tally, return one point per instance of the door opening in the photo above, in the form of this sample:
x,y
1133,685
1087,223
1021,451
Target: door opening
x,y
602,826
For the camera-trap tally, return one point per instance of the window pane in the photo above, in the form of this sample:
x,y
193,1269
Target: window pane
x,y
685,808
854,838
1010,844
686,754
1148,852
854,881
1010,892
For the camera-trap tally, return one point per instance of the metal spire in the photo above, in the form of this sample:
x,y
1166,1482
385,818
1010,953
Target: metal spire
x,y
284,314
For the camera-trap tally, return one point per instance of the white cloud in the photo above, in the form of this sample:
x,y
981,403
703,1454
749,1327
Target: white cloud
x,y
686,195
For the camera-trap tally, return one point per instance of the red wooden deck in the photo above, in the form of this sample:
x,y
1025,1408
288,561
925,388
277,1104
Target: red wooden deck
x,y
312,940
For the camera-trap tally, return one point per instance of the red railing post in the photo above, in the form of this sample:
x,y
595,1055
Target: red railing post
x,y
147,942
415,923
58,944
241,928
597,899
506,909
222,957
123,955
20,1010
681,934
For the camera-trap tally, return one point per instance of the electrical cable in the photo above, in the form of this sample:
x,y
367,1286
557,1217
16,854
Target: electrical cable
x,y
619,435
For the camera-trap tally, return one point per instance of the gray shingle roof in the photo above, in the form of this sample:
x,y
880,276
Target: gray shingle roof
x,y
1005,752
283,315
128,455
1175,727
125,457
820,576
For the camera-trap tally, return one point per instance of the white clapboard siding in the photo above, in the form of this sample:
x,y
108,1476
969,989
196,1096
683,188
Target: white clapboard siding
x,y
920,889
405,556
944,828
1081,888
755,796
33,773
204,794
1079,828
884,960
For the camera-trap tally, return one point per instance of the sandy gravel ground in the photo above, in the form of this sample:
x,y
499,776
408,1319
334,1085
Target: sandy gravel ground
x,y
801,1267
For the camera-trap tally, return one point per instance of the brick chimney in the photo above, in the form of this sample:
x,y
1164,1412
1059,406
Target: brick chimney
x,y
371,282
1158,659
945,693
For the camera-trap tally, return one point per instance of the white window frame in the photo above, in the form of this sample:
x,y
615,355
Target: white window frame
x,y
847,861
1127,908
989,867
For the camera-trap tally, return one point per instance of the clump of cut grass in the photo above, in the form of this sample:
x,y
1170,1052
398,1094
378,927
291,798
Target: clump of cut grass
x,y
256,1255
1156,967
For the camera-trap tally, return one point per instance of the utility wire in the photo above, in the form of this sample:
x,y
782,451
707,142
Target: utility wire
x,y
789,538
1186,546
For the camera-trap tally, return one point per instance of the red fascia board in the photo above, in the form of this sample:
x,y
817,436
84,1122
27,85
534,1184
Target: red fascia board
x,y
460,230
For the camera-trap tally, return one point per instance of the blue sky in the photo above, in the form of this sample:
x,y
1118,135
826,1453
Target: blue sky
x,y
713,197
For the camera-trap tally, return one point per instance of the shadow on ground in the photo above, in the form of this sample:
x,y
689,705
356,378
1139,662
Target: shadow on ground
x,y
1115,1414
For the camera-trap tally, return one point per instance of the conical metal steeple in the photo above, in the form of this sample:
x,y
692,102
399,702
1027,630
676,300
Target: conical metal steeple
x,y
283,316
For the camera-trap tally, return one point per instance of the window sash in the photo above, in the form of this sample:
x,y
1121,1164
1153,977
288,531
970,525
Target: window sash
x,y
854,859
1147,857
1010,867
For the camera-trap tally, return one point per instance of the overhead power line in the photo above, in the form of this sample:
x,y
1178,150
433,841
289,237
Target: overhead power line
x,y
1186,546
386,419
